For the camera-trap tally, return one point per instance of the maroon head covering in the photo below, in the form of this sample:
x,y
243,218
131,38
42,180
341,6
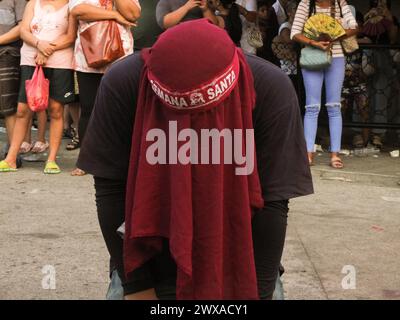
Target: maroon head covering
x,y
184,186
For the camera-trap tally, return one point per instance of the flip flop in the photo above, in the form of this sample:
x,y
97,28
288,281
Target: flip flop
x,y
51,168
5,167
25,147
39,147
336,163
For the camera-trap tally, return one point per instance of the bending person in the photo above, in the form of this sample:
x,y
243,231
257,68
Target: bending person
x,y
190,231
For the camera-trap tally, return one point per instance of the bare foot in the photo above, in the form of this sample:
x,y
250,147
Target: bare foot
x,y
310,158
11,163
78,173
336,162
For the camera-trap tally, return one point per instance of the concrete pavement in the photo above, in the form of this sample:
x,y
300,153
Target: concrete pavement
x,y
48,224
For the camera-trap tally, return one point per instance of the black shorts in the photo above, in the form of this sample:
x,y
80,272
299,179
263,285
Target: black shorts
x,y
159,273
9,83
61,84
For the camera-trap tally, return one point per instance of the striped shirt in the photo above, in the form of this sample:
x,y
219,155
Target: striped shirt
x,y
348,21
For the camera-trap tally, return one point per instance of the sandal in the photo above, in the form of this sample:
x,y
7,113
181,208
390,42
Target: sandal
x,y
78,173
5,167
25,147
74,144
68,133
51,168
336,163
40,147
377,141
358,141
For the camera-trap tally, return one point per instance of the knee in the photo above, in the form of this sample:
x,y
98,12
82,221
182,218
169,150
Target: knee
x,y
23,112
334,110
312,111
56,113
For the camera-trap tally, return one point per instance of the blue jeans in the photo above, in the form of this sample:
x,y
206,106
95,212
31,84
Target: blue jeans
x,y
313,81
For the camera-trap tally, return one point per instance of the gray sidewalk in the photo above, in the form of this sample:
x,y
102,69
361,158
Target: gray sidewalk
x,y
51,220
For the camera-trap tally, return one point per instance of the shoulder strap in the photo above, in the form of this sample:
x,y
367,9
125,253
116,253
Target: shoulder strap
x,y
311,8
340,8
333,9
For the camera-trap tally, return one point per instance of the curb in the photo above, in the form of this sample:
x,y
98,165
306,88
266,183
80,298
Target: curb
x,y
380,180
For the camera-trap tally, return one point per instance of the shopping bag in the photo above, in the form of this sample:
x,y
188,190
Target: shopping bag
x,y
37,90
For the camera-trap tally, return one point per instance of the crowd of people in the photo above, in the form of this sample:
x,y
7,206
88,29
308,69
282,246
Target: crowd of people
x,y
47,33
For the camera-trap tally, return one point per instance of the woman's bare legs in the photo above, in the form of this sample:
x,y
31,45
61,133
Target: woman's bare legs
x,y
42,123
74,111
10,124
23,118
56,111
149,294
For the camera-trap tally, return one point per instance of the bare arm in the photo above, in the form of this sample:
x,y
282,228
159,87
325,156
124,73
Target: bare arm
x,y
173,18
250,16
25,29
68,39
11,36
351,32
128,9
322,45
87,12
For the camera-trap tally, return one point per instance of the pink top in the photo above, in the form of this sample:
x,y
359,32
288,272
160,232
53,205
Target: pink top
x,y
80,63
48,25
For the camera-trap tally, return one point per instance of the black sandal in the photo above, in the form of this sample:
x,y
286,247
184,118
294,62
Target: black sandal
x,y
74,144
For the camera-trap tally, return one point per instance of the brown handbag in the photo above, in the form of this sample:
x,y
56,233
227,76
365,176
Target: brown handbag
x,y
102,43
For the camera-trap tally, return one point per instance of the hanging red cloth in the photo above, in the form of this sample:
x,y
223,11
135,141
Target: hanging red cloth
x,y
194,78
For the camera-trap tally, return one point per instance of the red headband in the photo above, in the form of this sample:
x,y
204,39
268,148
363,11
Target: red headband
x,y
207,95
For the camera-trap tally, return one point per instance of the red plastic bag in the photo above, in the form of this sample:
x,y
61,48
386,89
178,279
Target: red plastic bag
x,y
37,90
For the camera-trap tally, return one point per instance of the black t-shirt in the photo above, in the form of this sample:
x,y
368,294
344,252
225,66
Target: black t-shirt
x,y
147,30
281,151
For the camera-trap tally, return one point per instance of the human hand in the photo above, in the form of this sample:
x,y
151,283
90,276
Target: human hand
x,y
193,4
40,59
46,48
322,45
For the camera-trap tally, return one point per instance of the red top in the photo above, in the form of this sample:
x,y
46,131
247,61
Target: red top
x,y
194,78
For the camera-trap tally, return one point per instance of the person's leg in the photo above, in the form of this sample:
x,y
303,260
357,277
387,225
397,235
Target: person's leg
x,y
88,86
10,78
269,233
42,123
56,110
41,145
313,81
110,202
362,104
74,112
26,145
334,77
23,117
66,118
10,124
